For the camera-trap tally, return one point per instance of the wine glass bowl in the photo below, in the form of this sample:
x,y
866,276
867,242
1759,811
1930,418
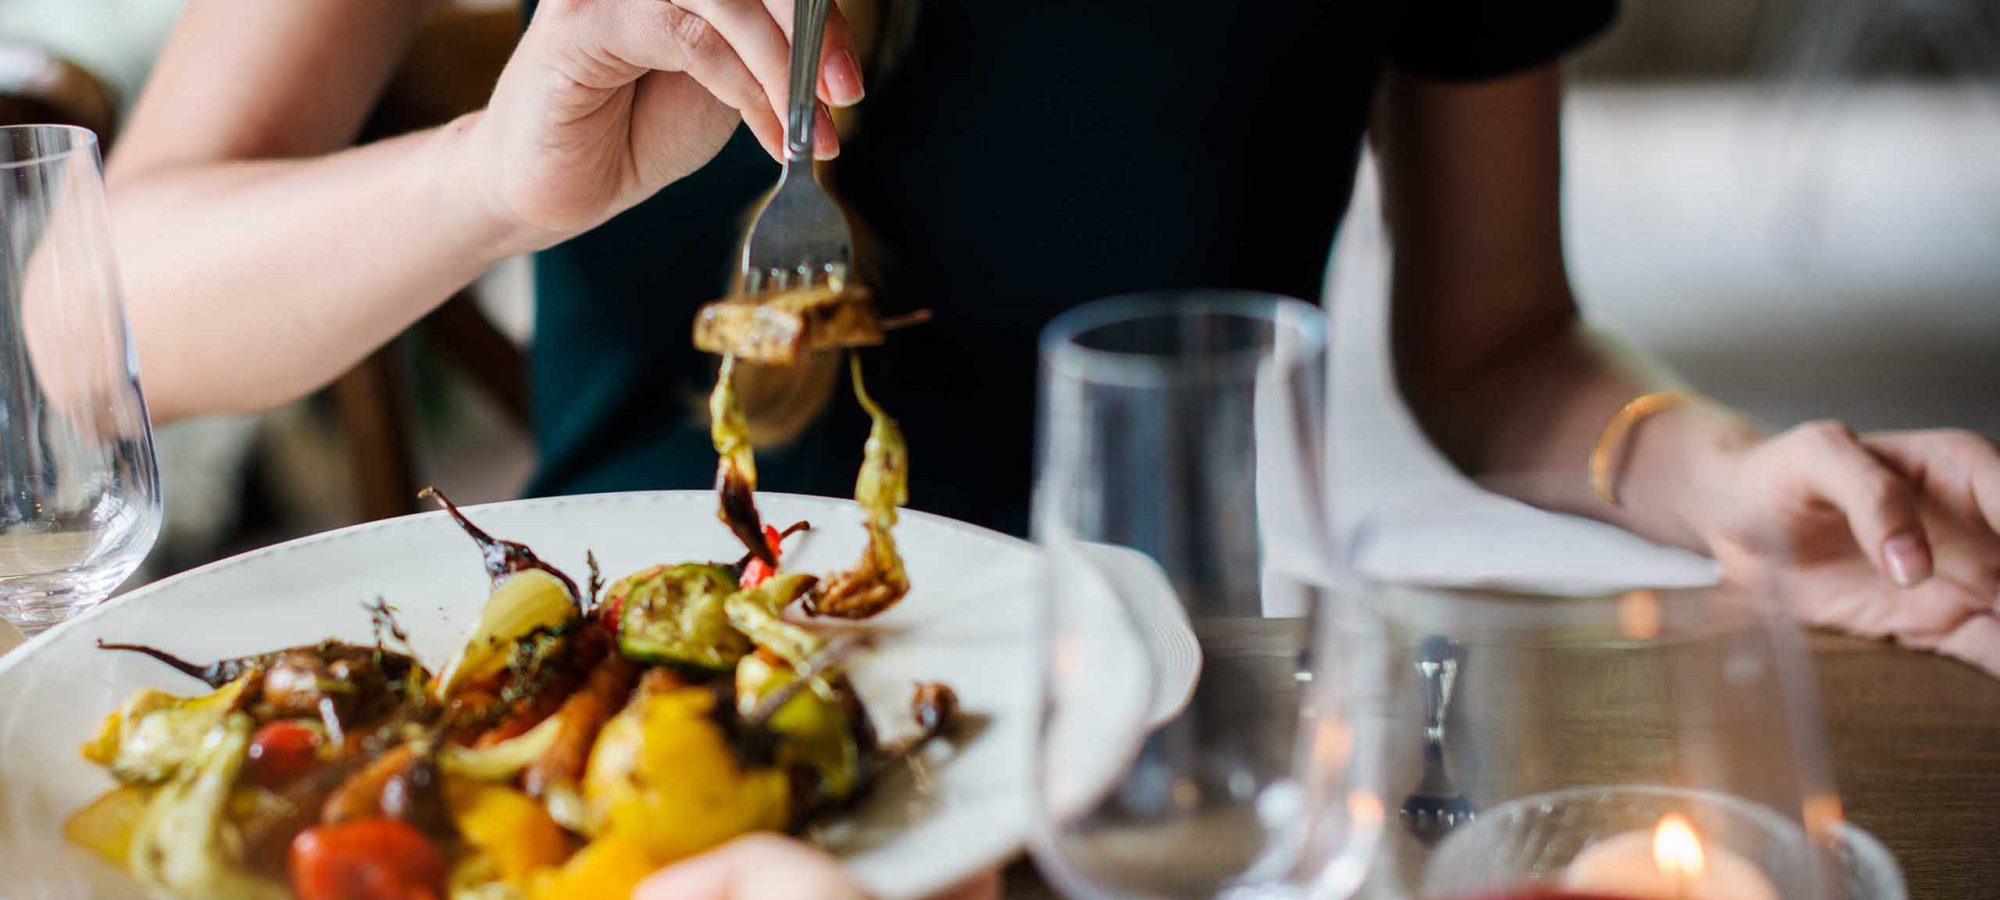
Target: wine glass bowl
x,y
1595,735
79,498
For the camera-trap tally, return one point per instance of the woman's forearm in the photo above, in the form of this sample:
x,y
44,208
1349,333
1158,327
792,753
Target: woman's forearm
x,y
251,283
1524,423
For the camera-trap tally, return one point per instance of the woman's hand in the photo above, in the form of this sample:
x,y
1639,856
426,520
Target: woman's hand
x,y
769,867
606,101
1884,535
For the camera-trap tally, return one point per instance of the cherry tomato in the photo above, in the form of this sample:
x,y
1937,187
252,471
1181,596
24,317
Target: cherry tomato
x,y
280,752
755,573
366,859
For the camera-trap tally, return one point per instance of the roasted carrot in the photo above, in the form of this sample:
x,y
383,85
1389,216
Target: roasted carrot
x,y
582,715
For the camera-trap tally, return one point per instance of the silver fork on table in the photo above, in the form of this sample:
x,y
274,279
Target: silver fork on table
x,y
1437,805
800,238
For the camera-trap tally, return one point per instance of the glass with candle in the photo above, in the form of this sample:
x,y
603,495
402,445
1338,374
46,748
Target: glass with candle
x,y
1636,745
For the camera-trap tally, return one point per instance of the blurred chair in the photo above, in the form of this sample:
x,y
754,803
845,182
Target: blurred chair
x,y
450,69
39,87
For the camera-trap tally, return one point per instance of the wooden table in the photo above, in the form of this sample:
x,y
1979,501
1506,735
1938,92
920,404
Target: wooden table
x,y
1916,748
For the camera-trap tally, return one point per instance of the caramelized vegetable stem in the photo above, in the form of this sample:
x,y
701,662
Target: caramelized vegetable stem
x,y
792,529
210,674
501,557
736,465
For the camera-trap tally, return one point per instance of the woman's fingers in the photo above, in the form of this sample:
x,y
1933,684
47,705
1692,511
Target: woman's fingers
x,y
839,67
1919,617
1960,470
757,40
673,116
1879,504
671,38
1976,641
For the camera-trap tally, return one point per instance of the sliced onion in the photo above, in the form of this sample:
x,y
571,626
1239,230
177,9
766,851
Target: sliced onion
x,y
527,600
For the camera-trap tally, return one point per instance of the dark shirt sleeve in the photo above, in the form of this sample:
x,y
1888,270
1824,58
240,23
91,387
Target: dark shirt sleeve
x,y
1475,39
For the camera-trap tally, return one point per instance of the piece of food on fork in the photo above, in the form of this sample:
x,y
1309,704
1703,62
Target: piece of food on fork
x,y
780,328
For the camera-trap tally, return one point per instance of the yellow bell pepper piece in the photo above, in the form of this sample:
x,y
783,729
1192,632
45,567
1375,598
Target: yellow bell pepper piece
x,y
105,826
664,778
510,828
608,869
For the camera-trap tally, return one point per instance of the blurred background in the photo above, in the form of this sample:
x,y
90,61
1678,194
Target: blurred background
x,y
1794,203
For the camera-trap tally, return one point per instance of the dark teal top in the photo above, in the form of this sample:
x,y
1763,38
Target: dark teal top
x,y
1022,157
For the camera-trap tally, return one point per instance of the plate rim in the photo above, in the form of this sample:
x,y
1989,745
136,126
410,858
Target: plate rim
x,y
12,659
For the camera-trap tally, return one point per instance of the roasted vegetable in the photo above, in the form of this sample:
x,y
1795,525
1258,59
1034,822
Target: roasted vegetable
x,y
502,760
735,465
105,827
366,859
416,794
184,841
758,613
155,733
360,795
280,752
342,684
528,602
508,829
503,559
814,733
667,776
756,570
674,615
781,328
878,581
606,869
582,716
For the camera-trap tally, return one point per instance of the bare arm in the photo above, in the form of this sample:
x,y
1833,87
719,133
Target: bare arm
x,y
260,263
262,258
1886,535
1491,352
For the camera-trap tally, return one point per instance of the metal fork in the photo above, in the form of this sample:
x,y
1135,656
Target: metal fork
x,y
1436,806
800,238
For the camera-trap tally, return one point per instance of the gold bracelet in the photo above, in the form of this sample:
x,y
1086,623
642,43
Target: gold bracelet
x,y
1604,457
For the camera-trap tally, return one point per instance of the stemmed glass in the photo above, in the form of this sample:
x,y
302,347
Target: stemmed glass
x,y
79,497
1651,743
1178,497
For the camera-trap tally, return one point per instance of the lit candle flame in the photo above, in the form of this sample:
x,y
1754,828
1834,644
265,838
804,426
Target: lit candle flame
x,y
1677,848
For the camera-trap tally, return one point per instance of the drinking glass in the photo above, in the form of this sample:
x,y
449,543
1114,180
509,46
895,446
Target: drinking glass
x,y
79,497
1649,743
1178,498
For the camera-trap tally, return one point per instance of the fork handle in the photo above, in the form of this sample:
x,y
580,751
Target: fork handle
x,y
808,32
1437,661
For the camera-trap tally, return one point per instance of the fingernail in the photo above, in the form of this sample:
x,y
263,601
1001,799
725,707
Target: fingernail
x,y
826,138
843,79
1908,559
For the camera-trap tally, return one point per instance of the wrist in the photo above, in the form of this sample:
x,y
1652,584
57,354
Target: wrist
x,y
1679,470
461,169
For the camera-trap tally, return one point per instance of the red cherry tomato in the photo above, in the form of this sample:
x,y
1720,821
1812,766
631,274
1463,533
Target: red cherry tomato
x,y
756,572
366,859
280,752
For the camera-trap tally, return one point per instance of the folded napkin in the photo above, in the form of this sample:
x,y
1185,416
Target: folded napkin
x,y
1473,540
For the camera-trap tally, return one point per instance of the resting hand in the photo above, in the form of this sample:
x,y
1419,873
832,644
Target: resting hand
x,y
1884,535
606,101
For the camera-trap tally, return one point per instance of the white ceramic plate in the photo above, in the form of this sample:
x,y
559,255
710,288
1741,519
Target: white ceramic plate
x,y
969,621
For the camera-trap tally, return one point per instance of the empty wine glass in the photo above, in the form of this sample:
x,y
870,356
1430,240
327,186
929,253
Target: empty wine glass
x,y
79,501
1178,499
1650,743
